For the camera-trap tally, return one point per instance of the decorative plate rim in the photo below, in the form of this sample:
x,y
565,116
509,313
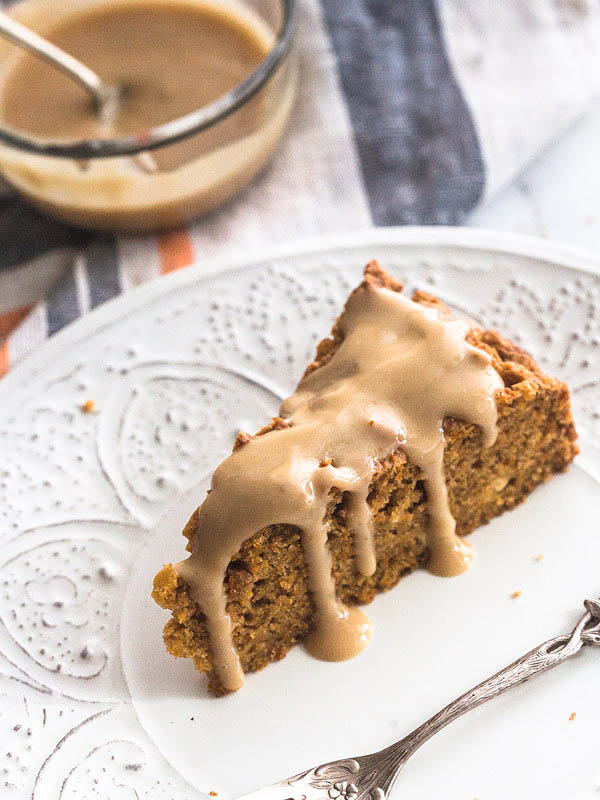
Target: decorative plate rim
x,y
158,357
482,239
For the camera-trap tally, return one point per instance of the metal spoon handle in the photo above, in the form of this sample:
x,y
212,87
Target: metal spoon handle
x,y
542,658
372,776
20,35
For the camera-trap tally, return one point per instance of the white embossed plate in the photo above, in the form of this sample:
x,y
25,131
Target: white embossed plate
x,y
91,504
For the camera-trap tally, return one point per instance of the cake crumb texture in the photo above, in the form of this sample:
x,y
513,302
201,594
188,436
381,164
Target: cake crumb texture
x,y
266,581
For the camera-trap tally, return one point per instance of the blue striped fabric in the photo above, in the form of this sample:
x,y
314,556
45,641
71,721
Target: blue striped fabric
x,y
26,234
102,261
100,258
62,306
418,149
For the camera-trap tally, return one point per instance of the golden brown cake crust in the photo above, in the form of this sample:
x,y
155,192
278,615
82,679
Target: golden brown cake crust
x,y
266,582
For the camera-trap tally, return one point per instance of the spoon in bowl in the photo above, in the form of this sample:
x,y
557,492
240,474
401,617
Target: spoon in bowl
x,y
104,97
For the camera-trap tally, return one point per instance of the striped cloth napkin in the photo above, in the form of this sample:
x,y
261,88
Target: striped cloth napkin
x,y
409,112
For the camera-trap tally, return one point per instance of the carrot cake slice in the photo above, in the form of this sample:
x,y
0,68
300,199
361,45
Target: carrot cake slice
x,y
408,430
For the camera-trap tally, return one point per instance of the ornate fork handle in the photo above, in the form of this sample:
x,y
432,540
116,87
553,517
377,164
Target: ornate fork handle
x,y
372,776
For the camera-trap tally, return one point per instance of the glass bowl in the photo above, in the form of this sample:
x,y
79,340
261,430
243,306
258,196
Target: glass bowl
x,y
161,177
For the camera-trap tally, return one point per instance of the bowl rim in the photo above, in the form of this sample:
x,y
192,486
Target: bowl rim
x,y
173,131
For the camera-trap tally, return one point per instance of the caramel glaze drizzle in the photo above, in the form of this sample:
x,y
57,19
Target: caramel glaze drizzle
x,y
399,369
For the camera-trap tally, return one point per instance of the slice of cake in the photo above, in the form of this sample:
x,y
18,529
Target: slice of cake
x,y
409,430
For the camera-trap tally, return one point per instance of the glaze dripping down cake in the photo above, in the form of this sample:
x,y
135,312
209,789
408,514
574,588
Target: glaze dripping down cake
x,y
408,431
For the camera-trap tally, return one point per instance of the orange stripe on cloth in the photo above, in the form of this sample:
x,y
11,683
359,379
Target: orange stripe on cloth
x,y
10,319
4,358
176,250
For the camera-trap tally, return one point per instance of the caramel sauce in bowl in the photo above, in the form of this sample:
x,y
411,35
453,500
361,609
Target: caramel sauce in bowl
x,y
209,86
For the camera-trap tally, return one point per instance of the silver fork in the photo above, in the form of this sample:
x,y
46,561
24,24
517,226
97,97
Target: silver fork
x,y
372,776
